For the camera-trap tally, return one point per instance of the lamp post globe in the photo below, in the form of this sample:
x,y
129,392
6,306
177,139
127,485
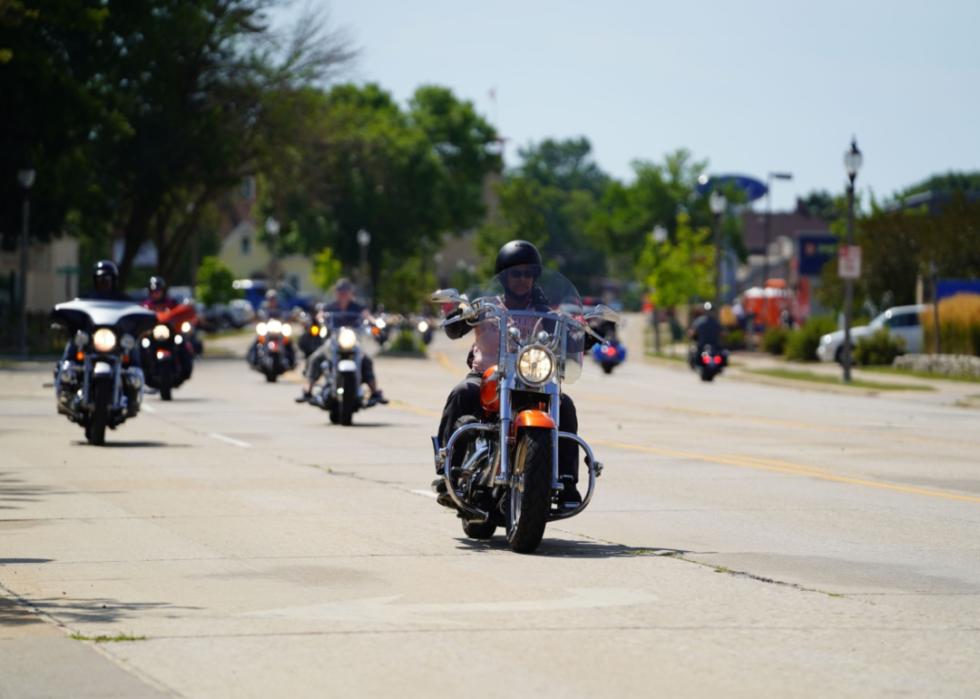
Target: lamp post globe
x,y
853,159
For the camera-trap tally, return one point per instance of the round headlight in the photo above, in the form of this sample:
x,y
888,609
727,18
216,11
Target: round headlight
x,y
185,327
347,339
423,326
161,332
104,340
260,329
274,326
381,324
535,365
287,330
127,342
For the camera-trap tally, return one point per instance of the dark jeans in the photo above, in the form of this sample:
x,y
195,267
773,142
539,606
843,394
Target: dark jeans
x,y
464,399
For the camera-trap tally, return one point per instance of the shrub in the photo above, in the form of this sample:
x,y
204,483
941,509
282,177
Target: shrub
x,y
215,282
774,340
802,343
735,339
881,347
959,325
406,341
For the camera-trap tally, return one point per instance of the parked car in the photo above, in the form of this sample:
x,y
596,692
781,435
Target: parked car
x,y
900,321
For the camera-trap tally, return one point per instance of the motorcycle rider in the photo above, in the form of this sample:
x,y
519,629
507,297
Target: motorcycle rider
x,y
352,313
105,283
705,331
518,265
269,310
157,300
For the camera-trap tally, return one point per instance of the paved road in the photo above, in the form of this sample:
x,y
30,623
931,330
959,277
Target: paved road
x,y
745,539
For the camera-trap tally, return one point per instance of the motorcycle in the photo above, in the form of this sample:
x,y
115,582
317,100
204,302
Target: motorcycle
x,y
342,393
381,330
425,330
167,352
272,353
509,473
709,362
97,384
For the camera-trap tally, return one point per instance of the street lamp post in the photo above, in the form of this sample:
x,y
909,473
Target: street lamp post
x,y
717,202
852,163
768,231
26,179
272,227
363,240
659,237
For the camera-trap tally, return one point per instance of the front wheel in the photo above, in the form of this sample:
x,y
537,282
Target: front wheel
x,y
101,397
166,382
348,383
530,495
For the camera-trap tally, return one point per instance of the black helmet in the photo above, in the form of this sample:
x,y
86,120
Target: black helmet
x,y
517,252
105,269
157,284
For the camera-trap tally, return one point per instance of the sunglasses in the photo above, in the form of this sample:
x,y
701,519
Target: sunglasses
x,y
522,273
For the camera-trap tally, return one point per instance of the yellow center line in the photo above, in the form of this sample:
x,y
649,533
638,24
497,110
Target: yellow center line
x,y
788,468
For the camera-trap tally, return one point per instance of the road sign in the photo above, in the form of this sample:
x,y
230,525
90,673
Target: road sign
x,y
849,261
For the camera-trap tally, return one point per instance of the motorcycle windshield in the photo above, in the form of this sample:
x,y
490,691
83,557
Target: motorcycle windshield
x,y
539,307
348,319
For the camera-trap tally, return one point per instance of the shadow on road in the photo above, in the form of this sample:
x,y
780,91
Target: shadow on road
x,y
565,548
97,610
136,444
14,490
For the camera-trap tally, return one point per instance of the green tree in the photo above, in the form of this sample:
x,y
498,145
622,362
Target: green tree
x,y
549,200
406,286
326,269
215,282
681,270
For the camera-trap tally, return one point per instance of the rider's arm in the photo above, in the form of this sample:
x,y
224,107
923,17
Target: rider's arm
x,y
455,327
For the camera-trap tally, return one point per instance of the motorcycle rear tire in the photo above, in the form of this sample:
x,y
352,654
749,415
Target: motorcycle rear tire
x,y
101,396
528,507
707,376
608,368
348,400
271,376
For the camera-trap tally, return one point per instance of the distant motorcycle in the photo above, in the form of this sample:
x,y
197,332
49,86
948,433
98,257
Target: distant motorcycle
x,y
272,353
167,352
342,393
609,355
381,330
97,382
709,362
425,330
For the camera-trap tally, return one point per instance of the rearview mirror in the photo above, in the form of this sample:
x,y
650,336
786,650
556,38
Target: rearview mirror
x,y
447,296
604,312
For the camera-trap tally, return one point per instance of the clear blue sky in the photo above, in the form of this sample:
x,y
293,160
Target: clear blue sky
x,y
752,86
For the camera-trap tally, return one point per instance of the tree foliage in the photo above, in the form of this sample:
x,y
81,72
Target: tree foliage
x,y
214,282
680,270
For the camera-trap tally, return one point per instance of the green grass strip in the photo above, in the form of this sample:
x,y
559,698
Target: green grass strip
x,y
801,375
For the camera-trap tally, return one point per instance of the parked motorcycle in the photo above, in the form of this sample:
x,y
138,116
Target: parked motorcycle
x,y
509,472
167,352
272,353
342,393
97,382
709,362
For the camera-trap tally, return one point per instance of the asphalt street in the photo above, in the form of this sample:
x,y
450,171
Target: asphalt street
x,y
745,539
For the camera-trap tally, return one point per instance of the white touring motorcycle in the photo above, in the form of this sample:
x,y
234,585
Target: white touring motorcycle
x,y
98,382
343,391
509,473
